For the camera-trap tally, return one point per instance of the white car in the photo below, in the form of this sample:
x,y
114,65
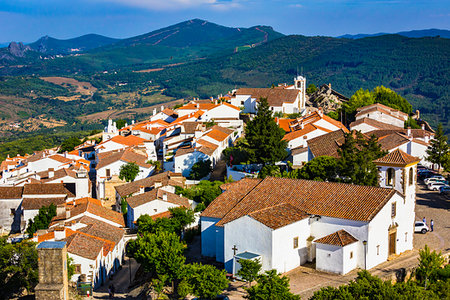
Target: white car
x,y
435,186
433,179
421,227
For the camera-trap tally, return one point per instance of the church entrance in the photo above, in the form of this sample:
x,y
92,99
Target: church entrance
x,y
392,242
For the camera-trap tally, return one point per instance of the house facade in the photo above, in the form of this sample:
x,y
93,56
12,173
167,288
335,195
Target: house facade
x,y
288,222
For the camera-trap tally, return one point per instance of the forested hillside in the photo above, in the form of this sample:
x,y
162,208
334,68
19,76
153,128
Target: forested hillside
x,y
418,69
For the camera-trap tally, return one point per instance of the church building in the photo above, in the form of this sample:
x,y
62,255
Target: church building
x,y
287,222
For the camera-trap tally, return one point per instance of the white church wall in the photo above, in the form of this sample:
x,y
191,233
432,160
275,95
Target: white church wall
x,y
208,236
329,258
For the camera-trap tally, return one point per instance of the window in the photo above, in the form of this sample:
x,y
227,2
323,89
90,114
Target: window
x,y
13,211
378,249
411,176
108,173
390,177
351,254
406,236
77,269
295,242
394,209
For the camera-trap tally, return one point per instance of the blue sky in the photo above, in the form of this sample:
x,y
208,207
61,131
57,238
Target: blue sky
x,y
27,20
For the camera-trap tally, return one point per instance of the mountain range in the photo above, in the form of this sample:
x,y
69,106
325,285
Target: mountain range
x,y
199,58
412,34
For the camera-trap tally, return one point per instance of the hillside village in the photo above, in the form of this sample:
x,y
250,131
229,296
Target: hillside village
x,y
283,222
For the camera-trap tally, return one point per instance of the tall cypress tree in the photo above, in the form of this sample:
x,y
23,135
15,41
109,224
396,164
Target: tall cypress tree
x,y
438,148
264,136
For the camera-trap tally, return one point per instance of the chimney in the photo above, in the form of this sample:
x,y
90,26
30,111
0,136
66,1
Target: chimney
x,y
68,213
141,189
198,105
423,126
212,99
60,209
417,115
278,121
427,138
132,122
164,197
162,107
154,111
408,131
320,112
65,153
157,184
302,125
51,173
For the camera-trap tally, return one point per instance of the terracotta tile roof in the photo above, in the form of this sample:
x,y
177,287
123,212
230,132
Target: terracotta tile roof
x,y
234,192
168,112
327,144
315,117
193,116
57,174
336,200
384,109
392,141
284,123
374,123
191,127
201,105
219,133
184,151
130,140
157,194
47,189
165,214
275,97
84,245
127,155
415,133
60,158
397,158
11,192
230,105
299,150
45,237
101,229
36,203
339,238
279,215
166,178
207,144
298,133
84,205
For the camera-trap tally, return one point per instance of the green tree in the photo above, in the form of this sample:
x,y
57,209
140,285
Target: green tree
x,y
249,270
70,267
355,164
204,192
438,149
42,219
269,170
322,168
200,169
271,286
18,268
204,281
311,89
69,144
430,262
120,123
446,162
159,253
181,217
156,164
265,137
129,172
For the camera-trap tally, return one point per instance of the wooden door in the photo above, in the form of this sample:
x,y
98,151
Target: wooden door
x,y
392,242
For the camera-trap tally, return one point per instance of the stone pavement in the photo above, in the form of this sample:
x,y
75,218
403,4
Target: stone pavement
x,y
121,281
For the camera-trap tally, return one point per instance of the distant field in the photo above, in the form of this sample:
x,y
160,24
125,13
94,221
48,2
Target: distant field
x,y
149,70
73,85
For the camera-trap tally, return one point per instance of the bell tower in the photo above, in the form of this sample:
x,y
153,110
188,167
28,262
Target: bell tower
x,y
300,84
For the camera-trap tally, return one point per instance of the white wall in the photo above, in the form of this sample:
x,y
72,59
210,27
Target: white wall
x,y
363,127
329,258
284,256
184,163
150,208
248,235
222,111
208,235
382,117
299,159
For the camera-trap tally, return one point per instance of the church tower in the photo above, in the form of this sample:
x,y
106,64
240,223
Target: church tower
x,y
300,84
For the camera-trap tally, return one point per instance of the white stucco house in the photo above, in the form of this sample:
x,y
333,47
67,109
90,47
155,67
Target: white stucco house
x,y
285,99
155,203
287,222
383,114
109,165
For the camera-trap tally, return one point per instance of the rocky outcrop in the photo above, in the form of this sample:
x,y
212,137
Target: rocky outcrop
x,y
18,49
326,98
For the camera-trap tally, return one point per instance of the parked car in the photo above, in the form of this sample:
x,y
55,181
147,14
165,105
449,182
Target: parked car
x,y
421,227
444,189
434,179
435,186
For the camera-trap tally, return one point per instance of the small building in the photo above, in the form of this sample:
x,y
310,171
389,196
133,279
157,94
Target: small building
x,y
383,114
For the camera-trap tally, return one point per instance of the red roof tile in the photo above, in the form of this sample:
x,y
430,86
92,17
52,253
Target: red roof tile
x,y
397,158
339,238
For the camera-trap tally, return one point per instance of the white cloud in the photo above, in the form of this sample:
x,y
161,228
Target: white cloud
x,y
176,4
